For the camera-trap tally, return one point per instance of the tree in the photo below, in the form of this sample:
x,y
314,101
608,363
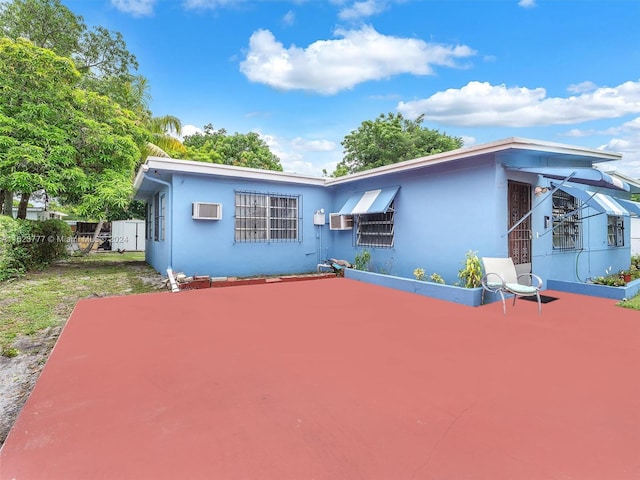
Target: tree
x,y
47,23
242,150
391,139
101,56
36,120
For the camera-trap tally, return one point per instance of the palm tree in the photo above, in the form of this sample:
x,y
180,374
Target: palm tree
x,y
162,130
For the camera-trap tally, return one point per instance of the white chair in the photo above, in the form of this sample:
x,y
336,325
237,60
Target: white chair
x,y
501,277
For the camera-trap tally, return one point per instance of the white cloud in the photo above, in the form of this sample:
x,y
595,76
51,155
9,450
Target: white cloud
x,y
483,104
299,143
364,8
302,156
190,130
328,66
210,4
527,3
582,87
137,8
630,149
289,18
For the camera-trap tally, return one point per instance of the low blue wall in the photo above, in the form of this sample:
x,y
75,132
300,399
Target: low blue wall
x,y
466,296
630,290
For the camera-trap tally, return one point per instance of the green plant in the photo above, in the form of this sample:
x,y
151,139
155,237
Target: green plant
x,y
419,274
10,352
610,280
436,278
471,273
363,261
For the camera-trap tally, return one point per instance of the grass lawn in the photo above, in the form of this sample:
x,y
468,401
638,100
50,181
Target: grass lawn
x,y
633,303
45,299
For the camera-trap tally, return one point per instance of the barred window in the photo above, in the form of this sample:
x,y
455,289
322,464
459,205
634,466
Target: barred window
x,y
615,231
567,222
376,229
158,216
263,217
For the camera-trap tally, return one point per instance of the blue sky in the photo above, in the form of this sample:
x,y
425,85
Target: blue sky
x,y
303,74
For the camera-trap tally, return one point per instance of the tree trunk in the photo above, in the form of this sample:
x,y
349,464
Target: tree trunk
x,y
1,201
8,203
94,239
22,207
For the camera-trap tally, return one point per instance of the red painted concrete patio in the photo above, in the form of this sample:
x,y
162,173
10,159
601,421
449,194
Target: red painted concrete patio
x,y
333,379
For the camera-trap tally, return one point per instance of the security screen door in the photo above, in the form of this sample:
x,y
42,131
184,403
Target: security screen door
x,y
519,205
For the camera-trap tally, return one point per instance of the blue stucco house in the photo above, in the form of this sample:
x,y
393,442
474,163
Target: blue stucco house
x,y
544,204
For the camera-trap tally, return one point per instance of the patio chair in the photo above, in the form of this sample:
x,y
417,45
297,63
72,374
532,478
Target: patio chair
x,y
501,277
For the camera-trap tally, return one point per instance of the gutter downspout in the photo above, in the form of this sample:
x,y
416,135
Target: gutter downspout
x,y
170,202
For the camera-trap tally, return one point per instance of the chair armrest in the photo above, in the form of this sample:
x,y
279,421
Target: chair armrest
x,y
533,277
493,282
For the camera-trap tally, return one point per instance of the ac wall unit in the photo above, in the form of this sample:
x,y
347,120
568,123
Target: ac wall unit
x,y
340,222
206,211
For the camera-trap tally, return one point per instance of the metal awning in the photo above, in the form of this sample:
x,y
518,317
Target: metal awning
x,y
632,207
371,201
598,201
585,176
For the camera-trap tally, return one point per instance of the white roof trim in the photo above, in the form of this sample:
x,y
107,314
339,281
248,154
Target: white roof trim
x,y
202,168
482,149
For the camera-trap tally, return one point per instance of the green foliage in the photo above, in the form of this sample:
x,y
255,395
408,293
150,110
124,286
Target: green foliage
x,y
419,274
363,261
471,273
28,245
436,278
36,118
614,280
242,150
391,139
46,23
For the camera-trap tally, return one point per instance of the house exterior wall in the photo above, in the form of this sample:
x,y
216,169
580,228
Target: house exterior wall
x,y
442,211
439,216
578,265
208,247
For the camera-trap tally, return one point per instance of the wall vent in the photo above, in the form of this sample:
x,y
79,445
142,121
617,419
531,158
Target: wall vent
x,y
340,222
206,211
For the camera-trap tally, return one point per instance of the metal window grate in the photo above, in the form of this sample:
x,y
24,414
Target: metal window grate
x,y
567,221
261,217
615,231
375,229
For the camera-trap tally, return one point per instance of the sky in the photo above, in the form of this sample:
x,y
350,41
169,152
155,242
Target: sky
x,y
305,73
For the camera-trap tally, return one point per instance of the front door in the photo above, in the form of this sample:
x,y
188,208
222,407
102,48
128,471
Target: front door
x,y
520,237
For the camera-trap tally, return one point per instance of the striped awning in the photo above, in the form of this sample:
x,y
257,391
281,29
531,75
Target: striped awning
x,y
585,176
598,201
632,207
371,201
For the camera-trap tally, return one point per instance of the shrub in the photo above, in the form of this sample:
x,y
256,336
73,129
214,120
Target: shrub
x,y
28,244
471,273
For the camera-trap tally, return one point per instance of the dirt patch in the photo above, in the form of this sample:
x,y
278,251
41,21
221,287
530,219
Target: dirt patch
x,y
18,375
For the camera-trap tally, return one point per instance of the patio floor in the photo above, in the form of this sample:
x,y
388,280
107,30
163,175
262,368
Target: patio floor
x,y
333,379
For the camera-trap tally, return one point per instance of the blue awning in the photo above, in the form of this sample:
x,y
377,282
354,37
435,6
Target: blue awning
x,y
598,201
585,176
632,207
371,201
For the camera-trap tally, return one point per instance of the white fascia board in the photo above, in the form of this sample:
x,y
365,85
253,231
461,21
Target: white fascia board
x,y
516,143
173,165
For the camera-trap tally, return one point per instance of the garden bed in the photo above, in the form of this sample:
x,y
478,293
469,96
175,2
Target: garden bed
x,y
466,296
627,291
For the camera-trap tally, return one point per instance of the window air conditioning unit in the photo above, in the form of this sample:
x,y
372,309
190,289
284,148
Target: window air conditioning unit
x,y
206,211
340,222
